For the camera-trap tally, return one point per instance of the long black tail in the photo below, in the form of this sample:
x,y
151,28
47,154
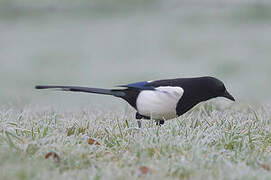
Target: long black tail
x,y
113,92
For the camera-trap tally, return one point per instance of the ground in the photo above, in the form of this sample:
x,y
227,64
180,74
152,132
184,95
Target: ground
x,y
211,142
101,43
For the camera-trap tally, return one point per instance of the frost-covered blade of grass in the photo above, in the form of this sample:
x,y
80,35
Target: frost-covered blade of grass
x,y
104,143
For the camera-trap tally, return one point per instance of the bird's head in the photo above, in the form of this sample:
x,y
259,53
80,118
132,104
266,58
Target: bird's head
x,y
216,88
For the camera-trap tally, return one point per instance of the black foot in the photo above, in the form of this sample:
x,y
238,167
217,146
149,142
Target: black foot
x,y
160,122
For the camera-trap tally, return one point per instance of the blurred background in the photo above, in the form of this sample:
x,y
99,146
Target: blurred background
x,y
103,43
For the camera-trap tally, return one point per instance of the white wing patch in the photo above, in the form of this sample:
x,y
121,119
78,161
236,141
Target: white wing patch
x,y
159,104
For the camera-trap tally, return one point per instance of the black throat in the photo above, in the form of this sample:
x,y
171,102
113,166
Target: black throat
x,y
194,93
187,102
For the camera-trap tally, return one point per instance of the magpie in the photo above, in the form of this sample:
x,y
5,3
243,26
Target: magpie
x,y
161,100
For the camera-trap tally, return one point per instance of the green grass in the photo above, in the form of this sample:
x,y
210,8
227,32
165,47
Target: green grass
x,y
211,141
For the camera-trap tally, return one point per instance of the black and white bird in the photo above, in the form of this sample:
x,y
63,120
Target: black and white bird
x,y
161,99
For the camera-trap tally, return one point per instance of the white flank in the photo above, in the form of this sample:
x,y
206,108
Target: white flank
x,y
159,104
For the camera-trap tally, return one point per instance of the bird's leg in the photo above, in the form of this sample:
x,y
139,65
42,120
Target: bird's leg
x,y
139,123
160,122
138,117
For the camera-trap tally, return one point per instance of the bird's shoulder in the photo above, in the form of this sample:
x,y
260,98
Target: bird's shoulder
x,y
154,84
167,82
143,85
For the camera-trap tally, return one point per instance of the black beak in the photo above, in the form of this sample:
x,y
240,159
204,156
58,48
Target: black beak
x,y
228,95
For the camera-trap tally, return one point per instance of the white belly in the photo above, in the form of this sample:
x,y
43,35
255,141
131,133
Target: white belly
x,y
160,103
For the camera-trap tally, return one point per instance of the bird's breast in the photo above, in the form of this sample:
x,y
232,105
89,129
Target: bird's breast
x,y
159,103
